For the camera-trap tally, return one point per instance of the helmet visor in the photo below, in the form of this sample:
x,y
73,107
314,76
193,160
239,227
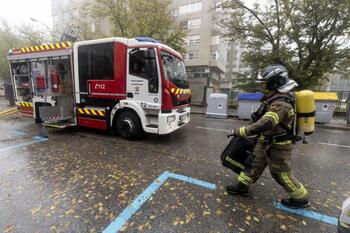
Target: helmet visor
x,y
260,79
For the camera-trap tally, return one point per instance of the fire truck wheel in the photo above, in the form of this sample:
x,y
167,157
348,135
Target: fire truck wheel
x,y
128,125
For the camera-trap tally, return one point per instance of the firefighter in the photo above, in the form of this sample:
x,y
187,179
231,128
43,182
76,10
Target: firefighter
x,y
272,125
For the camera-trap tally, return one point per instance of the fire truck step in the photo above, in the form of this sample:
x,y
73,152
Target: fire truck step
x,y
152,126
59,125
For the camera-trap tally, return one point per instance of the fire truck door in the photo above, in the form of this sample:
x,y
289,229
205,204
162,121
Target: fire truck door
x,y
143,79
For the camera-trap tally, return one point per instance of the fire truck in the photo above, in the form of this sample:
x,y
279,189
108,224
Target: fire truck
x,y
128,86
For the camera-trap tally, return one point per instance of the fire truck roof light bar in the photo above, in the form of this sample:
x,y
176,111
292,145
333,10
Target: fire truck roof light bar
x,y
147,39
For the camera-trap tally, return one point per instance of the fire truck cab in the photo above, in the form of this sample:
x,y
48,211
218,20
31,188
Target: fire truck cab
x,y
129,86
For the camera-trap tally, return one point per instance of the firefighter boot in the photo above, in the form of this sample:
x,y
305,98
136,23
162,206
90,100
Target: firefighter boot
x,y
295,204
238,189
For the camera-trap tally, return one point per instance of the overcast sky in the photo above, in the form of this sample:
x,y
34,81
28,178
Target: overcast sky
x,y
17,12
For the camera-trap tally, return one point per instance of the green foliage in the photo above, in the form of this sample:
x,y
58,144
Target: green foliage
x,y
246,82
17,37
82,20
132,18
307,36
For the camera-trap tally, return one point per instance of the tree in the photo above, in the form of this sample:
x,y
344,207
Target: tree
x,y
132,18
16,37
30,36
8,40
82,20
307,36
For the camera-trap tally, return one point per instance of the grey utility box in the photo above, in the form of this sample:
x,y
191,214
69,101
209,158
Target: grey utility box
x,y
326,103
247,104
217,105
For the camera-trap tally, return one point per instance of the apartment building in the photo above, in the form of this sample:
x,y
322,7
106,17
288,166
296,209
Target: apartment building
x,y
206,50
61,11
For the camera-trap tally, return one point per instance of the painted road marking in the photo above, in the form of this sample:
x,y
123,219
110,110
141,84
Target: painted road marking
x,y
35,139
308,214
129,211
221,130
18,132
331,144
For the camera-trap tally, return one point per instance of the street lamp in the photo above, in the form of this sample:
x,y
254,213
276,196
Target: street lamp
x,y
38,21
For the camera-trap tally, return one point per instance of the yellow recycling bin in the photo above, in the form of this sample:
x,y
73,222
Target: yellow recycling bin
x,y
326,103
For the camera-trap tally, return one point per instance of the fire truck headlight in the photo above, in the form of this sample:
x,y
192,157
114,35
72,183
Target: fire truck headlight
x,y
171,119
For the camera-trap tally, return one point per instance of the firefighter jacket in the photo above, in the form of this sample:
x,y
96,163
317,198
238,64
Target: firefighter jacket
x,y
274,118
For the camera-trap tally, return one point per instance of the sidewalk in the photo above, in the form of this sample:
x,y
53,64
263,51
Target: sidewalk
x,y
338,122
202,110
4,104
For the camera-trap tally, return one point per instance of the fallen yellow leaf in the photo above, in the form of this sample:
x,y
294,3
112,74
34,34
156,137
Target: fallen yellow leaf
x,y
8,228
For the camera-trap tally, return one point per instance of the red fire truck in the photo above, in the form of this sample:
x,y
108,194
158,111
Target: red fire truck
x,y
126,85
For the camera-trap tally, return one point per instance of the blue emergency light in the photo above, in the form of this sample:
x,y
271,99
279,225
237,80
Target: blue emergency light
x,y
146,39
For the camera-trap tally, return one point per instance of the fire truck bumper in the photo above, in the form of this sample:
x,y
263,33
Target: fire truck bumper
x,y
169,122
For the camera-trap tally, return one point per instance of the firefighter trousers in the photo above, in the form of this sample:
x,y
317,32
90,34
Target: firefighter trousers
x,y
278,158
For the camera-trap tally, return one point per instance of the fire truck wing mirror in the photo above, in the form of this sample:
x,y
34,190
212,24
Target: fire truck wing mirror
x,y
167,57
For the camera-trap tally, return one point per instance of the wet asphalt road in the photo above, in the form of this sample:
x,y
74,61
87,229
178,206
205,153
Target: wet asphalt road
x,y
80,181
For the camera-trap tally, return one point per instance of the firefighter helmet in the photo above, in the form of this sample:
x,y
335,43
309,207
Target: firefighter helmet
x,y
276,78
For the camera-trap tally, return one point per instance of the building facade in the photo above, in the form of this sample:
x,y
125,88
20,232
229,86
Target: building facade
x,y
206,49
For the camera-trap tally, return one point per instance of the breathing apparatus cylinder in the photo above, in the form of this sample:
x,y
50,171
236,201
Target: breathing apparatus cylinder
x,y
305,107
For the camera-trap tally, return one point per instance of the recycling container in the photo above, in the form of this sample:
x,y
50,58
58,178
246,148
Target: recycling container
x,y
326,103
247,104
217,105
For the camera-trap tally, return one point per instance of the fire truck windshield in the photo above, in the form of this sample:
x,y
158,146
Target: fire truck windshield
x,y
174,70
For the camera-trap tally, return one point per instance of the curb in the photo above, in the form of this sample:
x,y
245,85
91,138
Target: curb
x,y
336,127
198,112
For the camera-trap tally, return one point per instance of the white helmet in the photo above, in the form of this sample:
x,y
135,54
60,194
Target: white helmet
x,y
276,78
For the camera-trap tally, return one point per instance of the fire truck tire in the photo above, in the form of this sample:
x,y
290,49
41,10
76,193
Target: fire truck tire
x,y
128,125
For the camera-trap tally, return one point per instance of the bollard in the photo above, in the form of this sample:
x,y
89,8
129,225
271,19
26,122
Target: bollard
x,y
348,112
9,94
44,131
304,140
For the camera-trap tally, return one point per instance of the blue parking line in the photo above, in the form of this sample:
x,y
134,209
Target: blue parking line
x,y
129,211
18,132
308,214
35,139
192,181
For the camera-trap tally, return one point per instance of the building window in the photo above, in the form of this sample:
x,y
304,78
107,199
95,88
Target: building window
x,y
194,23
214,55
191,55
195,7
190,8
215,40
191,40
